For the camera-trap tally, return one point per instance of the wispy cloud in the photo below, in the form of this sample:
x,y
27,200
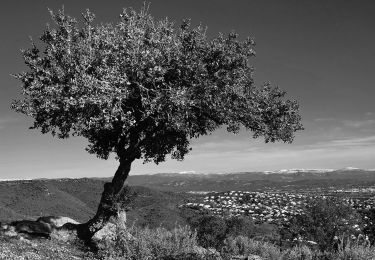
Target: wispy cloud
x,y
359,123
324,119
356,152
357,141
337,153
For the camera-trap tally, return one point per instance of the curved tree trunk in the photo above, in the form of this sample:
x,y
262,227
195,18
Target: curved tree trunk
x,y
108,206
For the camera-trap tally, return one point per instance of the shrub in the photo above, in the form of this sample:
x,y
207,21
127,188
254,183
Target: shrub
x,y
211,230
355,251
244,246
368,218
298,252
144,243
324,220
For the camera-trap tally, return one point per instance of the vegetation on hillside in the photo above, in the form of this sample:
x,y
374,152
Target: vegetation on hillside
x,y
182,243
309,236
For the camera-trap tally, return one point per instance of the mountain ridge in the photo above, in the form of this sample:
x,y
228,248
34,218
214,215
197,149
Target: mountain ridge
x,y
208,174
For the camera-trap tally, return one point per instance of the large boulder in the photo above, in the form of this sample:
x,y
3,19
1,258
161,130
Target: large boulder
x,y
30,228
109,231
56,222
42,227
59,228
8,230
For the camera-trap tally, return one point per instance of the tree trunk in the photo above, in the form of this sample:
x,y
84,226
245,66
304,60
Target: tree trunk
x,y
108,206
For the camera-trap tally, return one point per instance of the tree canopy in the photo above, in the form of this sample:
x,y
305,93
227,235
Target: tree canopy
x,y
323,221
143,88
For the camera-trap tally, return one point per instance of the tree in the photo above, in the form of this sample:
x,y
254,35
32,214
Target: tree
x,y
142,89
324,221
368,220
211,230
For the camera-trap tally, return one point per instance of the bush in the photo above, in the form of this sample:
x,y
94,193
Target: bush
x,y
211,230
324,220
244,246
355,251
368,218
298,252
144,243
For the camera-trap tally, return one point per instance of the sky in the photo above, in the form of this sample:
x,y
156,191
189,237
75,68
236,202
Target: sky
x,y
321,52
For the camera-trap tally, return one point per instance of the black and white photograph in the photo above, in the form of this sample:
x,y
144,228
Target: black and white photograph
x,y
175,130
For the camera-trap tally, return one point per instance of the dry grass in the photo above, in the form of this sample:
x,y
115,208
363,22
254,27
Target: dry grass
x,y
136,243
37,249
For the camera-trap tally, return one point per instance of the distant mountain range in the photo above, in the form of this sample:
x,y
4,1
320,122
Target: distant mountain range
x,y
346,169
160,194
251,181
349,171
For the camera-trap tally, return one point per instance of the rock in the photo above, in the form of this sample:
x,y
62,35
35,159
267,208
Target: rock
x,y
8,230
249,257
42,227
62,227
190,256
31,228
56,222
109,231
209,253
121,219
253,257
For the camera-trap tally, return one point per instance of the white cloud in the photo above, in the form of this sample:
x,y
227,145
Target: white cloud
x,y
358,141
348,142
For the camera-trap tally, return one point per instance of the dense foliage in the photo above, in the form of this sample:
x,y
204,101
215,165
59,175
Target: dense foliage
x,y
213,230
143,88
368,216
325,221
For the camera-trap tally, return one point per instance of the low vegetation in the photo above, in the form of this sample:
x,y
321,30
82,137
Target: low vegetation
x,y
181,243
209,237
158,229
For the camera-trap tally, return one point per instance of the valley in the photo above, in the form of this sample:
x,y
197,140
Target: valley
x,y
158,199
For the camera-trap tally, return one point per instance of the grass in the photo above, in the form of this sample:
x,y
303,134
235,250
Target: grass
x,y
135,243
144,243
40,249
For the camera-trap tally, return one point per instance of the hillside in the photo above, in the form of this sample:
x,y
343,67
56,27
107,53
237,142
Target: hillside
x,y
157,204
78,199
157,200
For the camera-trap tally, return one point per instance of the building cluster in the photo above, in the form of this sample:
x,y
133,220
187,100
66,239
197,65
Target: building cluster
x,y
360,203
260,206
271,207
